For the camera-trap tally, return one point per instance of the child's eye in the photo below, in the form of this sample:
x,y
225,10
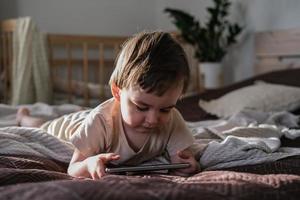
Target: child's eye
x,y
143,109
165,110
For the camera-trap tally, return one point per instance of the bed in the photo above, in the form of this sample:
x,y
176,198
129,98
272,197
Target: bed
x,y
33,164
80,65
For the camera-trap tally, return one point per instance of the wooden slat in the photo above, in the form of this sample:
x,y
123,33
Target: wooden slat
x,y
6,61
50,58
61,85
69,71
9,64
57,39
196,83
101,70
116,50
59,62
278,43
267,64
96,45
85,74
63,61
8,25
4,65
272,48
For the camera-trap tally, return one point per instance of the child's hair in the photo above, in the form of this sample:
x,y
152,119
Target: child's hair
x,y
152,60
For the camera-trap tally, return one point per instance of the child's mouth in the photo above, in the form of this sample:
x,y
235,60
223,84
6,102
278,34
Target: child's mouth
x,y
146,129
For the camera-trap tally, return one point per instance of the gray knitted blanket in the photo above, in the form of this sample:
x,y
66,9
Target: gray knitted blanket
x,y
33,142
240,140
249,137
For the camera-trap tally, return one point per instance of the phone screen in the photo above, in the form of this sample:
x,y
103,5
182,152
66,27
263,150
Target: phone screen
x,y
145,168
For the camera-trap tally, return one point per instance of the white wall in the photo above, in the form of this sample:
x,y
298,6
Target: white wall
x,y
194,7
255,15
261,15
125,17
105,17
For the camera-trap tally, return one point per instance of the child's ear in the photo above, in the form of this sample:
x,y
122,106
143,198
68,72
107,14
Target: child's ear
x,y
115,90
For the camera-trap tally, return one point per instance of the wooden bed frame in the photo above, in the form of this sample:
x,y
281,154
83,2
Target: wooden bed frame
x,y
91,57
7,27
80,64
277,50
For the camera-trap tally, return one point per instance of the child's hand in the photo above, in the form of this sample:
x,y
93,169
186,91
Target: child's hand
x,y
96,164
185,156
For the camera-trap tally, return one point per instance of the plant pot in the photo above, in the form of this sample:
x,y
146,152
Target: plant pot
x,y
211,75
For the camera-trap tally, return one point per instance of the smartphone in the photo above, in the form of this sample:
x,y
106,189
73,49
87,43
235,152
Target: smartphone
x,y
146,168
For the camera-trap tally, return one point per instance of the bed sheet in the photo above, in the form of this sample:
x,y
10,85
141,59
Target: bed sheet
x,y
40,172
33,165
206,185
46,111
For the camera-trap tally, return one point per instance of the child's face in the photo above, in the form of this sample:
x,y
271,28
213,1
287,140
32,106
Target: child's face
x,y
142,112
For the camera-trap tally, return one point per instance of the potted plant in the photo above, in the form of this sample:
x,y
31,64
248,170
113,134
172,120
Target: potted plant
x,y
211,40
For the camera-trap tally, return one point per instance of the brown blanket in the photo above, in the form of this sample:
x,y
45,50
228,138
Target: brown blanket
x,y
30,177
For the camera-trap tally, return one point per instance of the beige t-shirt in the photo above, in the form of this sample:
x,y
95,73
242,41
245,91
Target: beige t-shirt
x,y
102,131
65,126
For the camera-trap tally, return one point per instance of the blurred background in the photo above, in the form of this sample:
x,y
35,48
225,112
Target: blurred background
x,y
125,17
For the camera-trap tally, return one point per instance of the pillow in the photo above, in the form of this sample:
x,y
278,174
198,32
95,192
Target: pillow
x,y
260,96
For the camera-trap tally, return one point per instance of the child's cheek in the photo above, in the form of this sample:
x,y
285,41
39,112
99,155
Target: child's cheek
x,y
165,119
134,119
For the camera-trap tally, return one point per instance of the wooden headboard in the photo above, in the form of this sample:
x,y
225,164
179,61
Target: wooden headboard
x,y
277,50
7,27
80,64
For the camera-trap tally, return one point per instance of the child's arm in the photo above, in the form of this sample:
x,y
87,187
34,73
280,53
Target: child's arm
x,y
90,167
185,156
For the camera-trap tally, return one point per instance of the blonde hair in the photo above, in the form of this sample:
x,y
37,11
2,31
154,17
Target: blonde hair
x,y
152,60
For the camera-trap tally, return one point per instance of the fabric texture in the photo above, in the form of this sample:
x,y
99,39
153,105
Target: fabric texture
x,y
260,96
8,112
209,185
247,138
102,131
33,142
64,126
31,79
35,168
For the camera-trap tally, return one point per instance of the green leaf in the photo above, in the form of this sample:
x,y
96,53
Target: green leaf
x,y
212,39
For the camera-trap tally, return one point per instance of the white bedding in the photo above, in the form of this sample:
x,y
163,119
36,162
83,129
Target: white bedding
x,y
249,137
8,112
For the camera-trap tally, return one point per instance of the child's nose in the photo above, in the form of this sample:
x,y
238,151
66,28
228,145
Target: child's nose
x,y
152,118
